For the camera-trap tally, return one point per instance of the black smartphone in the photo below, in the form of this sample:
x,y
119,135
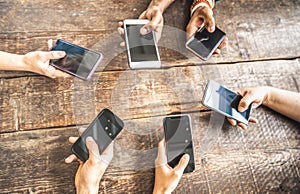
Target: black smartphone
x,y
178,135
104,129
225,101
203,43
79,62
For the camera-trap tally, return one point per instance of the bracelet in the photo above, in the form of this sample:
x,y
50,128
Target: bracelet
x,y
198,3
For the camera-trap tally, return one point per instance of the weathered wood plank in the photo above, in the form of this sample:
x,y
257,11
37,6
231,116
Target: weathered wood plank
x,y
257,30
227,158
39,102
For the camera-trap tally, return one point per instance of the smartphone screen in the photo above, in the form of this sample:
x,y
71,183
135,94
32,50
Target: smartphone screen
x,y
141,47
78,61
225,102
103,130
178,135
204,43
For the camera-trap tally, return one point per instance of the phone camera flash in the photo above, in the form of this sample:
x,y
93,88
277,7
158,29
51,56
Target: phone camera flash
x,y
187,129
106,128
110,134
186,141
108,120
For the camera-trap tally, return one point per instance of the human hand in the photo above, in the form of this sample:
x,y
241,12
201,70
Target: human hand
x,y
156,21
256,96
154,14
38,62
203,16
166,177
89,174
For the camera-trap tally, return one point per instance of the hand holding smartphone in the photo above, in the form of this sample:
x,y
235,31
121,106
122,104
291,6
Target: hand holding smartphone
x,y
104,129
178,135
203,43
142,50
225,102
79,62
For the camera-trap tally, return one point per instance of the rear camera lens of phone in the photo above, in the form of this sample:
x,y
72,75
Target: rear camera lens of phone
x,y
108,120
106,128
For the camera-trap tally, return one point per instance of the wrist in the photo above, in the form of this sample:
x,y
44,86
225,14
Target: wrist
x,y
201,3
267,101
158,190
24,63
87,190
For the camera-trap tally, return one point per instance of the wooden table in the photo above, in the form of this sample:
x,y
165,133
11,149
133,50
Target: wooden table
x,y
38,114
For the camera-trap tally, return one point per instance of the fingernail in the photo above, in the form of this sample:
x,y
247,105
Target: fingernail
x,y
212,29
144,31
186,157
68,159
61,53
89,139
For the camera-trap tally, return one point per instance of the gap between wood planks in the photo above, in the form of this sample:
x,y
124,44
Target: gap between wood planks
x,y
86,124
181,63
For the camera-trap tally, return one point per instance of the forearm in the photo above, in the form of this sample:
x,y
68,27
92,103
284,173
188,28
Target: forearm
x,y
161,4
284,102
87,190
10,61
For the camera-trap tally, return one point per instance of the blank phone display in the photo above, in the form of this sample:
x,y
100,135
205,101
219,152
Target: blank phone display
x,y
141,47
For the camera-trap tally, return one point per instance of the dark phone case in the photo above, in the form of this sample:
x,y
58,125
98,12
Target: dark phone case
x,y
52,62
191,166
234,103
106,118
204,43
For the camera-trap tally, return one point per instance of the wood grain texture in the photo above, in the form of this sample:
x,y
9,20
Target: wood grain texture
x,y
227,158
39,102
38,114
257,30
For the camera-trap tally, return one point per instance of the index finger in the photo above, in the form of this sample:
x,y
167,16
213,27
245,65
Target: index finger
x,y
73,139
209,20
193,26
72,158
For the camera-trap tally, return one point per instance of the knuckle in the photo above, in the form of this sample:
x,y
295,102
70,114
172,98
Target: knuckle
x,y
158,161
38,55
243,103
176,173
95,161
156,9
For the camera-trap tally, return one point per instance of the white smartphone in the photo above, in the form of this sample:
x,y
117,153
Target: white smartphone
x,y
225,102
142,50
